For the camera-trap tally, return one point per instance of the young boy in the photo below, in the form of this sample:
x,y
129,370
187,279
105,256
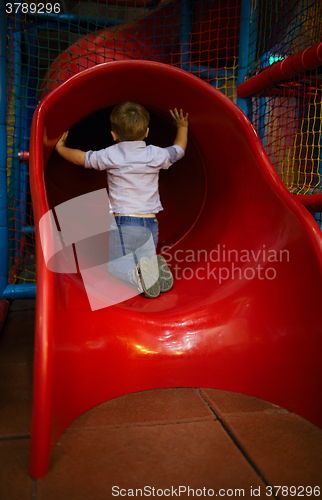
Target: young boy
x,y
133,180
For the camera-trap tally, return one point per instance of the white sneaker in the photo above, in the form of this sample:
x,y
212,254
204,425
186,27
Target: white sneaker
x,y
149,276
136,280
165,275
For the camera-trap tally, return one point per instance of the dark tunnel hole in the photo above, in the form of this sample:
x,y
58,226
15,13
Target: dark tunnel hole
x,y
182,186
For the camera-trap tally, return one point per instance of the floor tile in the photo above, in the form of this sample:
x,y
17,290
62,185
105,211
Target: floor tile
x,y
17,336
86,465
285,447
15,386
15,417
15,399
225,403
15,484
4,306
163,405
16,374
22,305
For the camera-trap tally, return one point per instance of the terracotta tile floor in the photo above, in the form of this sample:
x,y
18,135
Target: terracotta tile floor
x,y
216,443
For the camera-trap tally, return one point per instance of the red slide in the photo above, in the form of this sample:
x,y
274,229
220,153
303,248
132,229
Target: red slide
x,y
243,314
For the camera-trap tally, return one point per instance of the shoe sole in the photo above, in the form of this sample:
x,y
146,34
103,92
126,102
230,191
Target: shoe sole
x,y
165,275
149,277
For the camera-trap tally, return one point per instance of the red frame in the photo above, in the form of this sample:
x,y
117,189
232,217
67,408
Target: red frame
x,y
256,337
297,64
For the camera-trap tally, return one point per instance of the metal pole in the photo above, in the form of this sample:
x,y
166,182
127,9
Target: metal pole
x,y
21,291
299,63
3,153
317,215
16,167
244,51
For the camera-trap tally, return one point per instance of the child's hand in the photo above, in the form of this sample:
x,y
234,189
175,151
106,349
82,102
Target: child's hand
x,y
75,156
62,141
179,119
181,122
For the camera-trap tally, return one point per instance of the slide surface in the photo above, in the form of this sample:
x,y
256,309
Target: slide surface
x,y
243,314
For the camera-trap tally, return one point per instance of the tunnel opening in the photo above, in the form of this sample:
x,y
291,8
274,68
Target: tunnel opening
x,y
182,186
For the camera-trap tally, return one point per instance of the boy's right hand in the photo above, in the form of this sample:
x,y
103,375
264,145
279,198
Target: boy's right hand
x,y
179,119
75,156
62,141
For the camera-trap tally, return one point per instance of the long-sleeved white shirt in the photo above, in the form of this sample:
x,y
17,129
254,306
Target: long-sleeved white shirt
x,y
133,174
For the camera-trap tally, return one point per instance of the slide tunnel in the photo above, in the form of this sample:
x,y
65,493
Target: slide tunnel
x,y
243,314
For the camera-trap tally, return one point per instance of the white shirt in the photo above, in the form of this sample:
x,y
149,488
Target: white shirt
x,y
133,174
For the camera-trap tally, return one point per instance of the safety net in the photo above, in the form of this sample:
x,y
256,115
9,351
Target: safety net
x,y
287,114
49,42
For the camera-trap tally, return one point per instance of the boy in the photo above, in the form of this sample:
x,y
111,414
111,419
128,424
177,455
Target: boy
x,y
133,179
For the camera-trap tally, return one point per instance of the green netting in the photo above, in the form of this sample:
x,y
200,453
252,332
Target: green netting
x,y
49,42
287,116
280,28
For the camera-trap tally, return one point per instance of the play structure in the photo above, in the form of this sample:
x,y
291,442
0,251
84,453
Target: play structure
x,y
245,252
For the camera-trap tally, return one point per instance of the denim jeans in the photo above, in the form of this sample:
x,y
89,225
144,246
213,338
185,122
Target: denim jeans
x,y
131,238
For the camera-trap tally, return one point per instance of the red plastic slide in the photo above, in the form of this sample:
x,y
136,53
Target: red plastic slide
x,y
244,312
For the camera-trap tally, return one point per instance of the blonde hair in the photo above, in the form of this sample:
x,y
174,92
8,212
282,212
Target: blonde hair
x,y
129,121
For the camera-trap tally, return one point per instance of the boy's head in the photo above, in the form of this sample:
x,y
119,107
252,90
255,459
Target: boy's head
x,y
129,122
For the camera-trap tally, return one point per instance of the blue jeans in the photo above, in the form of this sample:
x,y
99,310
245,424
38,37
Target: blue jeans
x,y
131,239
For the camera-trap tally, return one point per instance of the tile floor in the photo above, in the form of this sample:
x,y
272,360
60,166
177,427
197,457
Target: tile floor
x,y
155,443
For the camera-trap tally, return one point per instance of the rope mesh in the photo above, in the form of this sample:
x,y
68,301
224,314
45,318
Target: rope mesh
x,y
48,42
287,117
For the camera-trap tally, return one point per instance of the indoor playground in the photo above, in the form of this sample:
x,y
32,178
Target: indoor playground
x,y
232,353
